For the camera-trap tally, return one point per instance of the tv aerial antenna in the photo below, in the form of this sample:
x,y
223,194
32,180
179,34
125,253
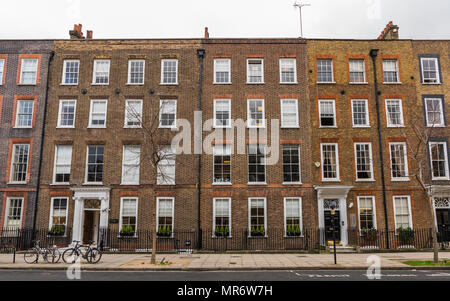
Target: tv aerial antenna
x,y
299,6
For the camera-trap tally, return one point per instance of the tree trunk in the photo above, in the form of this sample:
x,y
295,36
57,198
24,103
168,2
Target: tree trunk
x,y
153,259
433,232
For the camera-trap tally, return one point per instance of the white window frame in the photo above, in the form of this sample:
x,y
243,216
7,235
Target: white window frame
x,y
120,213
94,75
396,68
50,220
162,72
63,78
295,70
173,154
13,154
90,114
229,215
366,104
161,104
262,72
21,71
59,125
388,122
265,164
356,161
229,71
438,76
173,212
228,149
249,114
332,71
86,182
337,178
350,71
405,158
217,126
299,165
282,105
124,165
55,164
127,112
409,210
2,70
249,215
445,148
334,114
299,199
441,111
16,123
129,72
374,211
5,223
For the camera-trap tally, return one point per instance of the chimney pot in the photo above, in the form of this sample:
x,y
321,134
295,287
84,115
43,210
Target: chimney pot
x,y
390,32
89,34
206,33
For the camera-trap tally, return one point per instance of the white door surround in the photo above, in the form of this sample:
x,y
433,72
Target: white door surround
x,y
338,192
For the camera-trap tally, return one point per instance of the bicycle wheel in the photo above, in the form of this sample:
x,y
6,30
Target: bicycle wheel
x,y
52,255
94,255
31,256
70,255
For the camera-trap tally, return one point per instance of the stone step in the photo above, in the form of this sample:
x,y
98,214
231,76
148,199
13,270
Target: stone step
x,y
341,249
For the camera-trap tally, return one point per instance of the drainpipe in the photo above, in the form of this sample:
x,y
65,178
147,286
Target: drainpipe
x,y
50,58
201,56
373,55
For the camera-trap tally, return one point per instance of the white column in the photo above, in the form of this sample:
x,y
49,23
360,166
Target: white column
x,y
104,212
343,210
77,228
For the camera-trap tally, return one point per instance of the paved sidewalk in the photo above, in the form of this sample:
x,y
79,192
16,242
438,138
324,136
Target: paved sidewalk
x,y
192,262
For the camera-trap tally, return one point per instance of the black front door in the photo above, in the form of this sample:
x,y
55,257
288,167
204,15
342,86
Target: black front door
x,y
329,226
443,224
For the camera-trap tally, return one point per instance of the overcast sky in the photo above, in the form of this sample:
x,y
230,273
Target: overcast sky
x,y
359,19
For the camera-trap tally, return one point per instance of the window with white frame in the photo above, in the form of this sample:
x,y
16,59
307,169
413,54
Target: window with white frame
x,y
2,70
325,71
399,161
257,216
58,215
434,112
366,210
255,113
430,70
291,164
67,110
289,113
128,215
133,113
19,163
402,211
256,163
222,217
71,70
222,164
390,71
255,71
439,160
101,72
131,164
165,216
357,71
293,216
97,117
63,160
222,113
28,72
166,166
136,72
168,113
24,113
330,161
363,161
94,164
288,71
13,214
222,71
394,112
327,113
360,113
169,72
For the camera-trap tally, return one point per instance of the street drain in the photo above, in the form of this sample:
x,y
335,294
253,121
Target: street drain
x,y
232,262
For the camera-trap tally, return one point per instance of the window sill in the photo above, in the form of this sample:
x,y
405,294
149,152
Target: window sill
x,y
165,184
120,236
436,126
27,84
293,83
22,127
60,184
129,184
92,183
168,84
361,126
290,127
214,83
396,83
261,83
167,127
256,183
285,236
222,184
432,84
265,236
328,127
400,180
96,127
256,127
395,126
221,127
95,84
65,127
16,183
356,83
365,180
440,179
325,83
292,183
331,180
63,84
132,127
134,84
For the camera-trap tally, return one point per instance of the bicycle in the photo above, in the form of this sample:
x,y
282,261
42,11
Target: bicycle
x,y
50,255
92,255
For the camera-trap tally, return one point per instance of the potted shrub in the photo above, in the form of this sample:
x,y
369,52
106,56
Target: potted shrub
x,y
257,231
222,231
127,231
57,230
164,231
293,230
406,235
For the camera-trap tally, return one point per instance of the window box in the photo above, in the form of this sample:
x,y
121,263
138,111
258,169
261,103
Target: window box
x,y
257,231
406,235
164,234
370,235
57,231
123,234
221,234
294,234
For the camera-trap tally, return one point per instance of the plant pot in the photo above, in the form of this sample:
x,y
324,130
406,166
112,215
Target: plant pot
x,y
164,234
222,234
126,234
257,234
56,233
291,234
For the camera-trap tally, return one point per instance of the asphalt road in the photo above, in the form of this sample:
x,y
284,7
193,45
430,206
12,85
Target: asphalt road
x,y
303,275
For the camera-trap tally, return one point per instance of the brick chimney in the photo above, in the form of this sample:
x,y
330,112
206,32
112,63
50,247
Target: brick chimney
x,y
390,32
76,33
206,33
89,34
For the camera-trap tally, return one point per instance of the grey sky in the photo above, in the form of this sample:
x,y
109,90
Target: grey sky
x,y
359,19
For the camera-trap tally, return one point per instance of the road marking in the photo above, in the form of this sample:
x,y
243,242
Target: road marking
x,y
439,275
323,276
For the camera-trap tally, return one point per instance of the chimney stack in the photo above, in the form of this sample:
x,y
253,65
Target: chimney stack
x,y
390,32
76,33
89,34
206,33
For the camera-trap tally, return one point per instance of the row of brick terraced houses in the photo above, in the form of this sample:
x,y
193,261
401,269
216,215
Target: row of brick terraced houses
x,y
75,115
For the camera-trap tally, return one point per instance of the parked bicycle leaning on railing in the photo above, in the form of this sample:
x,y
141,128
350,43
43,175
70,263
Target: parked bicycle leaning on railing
x,y
50,254
91,254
